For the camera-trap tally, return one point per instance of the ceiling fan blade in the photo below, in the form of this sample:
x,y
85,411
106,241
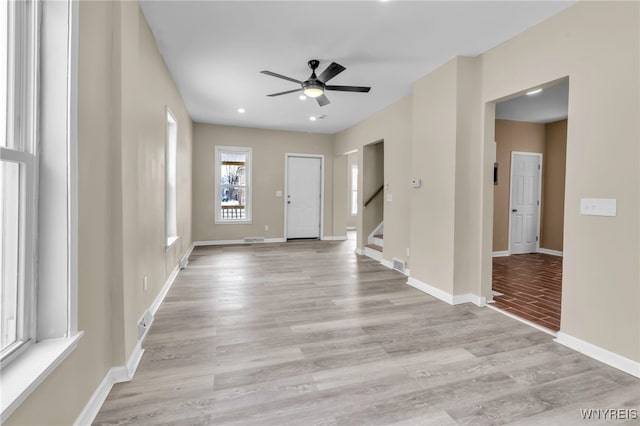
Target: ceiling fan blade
x,y
284,93
322,100
349,88
284,77
331,71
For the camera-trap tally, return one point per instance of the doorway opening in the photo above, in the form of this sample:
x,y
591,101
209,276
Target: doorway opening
x,y
372,197
528,218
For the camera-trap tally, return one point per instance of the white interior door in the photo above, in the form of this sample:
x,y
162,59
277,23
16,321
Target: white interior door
x,y
304,196
525,202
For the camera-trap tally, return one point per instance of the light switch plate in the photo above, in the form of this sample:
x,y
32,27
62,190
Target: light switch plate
x,y
598,207
389,198
278,193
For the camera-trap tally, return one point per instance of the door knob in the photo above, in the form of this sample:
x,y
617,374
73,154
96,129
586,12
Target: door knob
x,y
288,202
514,210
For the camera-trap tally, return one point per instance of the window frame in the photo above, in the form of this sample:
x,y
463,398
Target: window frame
x,y
46,122
354,190
248,151
21,117
171,180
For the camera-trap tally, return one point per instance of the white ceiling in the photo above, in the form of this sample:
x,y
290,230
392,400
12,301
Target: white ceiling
x,y
215,51
552,104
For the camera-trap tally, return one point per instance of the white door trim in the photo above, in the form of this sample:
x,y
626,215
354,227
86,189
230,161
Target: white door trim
x,y
286,189
532,154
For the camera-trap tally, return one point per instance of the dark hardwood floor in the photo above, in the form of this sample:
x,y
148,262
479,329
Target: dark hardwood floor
x,y
531,287
308,333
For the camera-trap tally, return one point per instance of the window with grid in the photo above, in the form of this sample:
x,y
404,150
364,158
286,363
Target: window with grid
x,y
233,185
38,193
17,168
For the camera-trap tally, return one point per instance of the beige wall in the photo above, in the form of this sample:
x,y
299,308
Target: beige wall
x,y
269,149
393,125
554,170
511,136
595,44
433,158
123,88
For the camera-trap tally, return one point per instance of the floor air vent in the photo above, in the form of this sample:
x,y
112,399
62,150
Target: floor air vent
x,y
254,239
399,265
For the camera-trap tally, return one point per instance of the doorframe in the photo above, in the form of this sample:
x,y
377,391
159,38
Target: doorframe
x,y
286,189
531,154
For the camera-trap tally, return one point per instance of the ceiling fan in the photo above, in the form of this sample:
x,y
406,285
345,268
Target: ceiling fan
x,y
315,86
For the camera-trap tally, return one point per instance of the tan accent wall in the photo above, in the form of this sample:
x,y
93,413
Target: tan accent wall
x,y
511,136
269,149
123,90
393,125
554,171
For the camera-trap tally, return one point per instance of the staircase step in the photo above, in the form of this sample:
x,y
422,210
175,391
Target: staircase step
x,y
374,247
381,236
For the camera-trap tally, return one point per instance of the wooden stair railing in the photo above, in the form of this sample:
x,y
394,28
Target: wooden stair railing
x,y
373,196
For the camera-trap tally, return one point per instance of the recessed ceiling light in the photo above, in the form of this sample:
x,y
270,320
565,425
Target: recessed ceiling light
x,y
302,97
312,118
241,110
533,92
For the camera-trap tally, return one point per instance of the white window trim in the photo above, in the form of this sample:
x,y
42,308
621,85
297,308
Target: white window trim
x,y
171,162
353,204
249,185
56,323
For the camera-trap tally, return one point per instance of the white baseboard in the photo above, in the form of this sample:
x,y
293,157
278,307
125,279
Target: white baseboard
x,y
517,318
98,398
501,253
359,251
124,373
603,355
430,290
549,251
233,242
451,299
351,228
119,374
334,238
184,260
163,292
386,263
374,254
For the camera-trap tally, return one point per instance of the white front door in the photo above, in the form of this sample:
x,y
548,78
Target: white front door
x,y
525,202
304,196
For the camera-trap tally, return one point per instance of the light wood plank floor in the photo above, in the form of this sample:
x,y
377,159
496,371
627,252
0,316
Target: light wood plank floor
x,y
308,333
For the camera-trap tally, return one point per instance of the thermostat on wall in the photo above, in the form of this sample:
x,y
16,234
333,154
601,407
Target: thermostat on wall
x,y
416,183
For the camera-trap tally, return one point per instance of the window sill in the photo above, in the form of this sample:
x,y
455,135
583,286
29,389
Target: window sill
x,y
171,241
233,222
24,374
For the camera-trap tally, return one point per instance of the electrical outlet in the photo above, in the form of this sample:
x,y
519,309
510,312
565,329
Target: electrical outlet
x,y
145,284
266,227
408,252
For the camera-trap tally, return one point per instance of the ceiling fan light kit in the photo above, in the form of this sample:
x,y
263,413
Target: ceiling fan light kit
x,y
315,86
